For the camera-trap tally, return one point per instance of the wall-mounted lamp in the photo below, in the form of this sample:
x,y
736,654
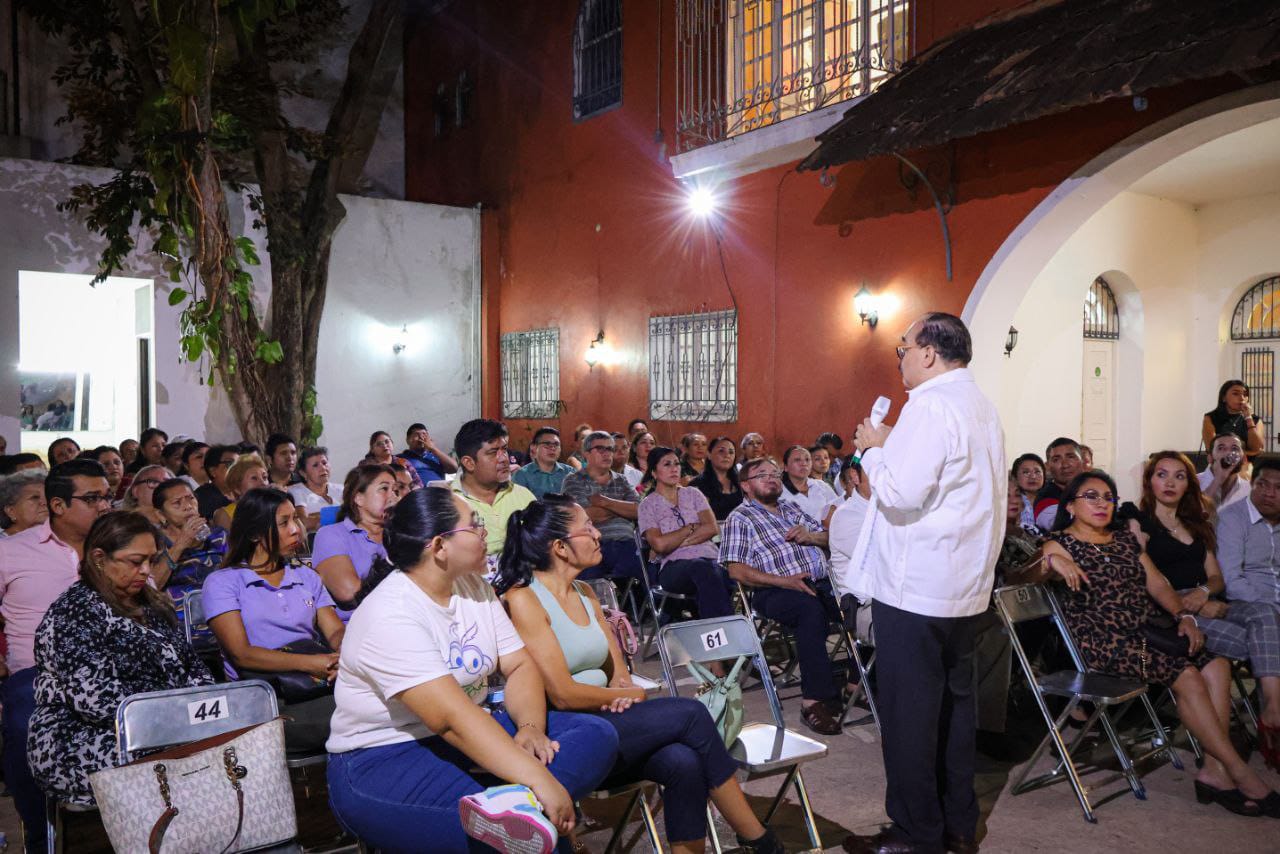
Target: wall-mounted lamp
x,y
702,202
1010,341
402,338
595,351
867,307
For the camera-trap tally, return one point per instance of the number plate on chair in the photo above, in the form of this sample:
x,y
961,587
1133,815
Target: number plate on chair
x,y
714,640
207,710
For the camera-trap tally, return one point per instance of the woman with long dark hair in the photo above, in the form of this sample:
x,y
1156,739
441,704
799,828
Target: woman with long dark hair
x,y
344,552
811,495
272,615
719,480
383,452
410,728
1234,415
1110,585
641,444
110,635
1027,474
671,740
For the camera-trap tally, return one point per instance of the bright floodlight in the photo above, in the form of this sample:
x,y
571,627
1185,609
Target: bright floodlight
x,y
701,201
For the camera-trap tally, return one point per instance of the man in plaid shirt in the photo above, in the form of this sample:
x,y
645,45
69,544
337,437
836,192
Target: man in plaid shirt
x,y
778,549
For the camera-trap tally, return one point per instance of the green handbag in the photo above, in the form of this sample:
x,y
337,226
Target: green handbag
x,y
722,695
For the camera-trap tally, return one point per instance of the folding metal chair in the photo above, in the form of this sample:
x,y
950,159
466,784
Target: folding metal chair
x,y
657,597
193,615
762,749
638,793
1025,602
607,593
862,652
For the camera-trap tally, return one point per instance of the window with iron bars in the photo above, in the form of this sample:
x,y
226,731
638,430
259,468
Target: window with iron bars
x,y
693,366
531,374
1101,314
1256,316
748,64
597,57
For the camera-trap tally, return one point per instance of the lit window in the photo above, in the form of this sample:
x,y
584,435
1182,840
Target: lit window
x,y
1256,316
597,57
1101,314
531,374
693,367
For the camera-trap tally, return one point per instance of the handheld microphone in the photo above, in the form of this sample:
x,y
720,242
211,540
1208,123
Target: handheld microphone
x,y
879,411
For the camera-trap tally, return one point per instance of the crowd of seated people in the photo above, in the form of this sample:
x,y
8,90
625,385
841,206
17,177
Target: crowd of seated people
x,y
390,626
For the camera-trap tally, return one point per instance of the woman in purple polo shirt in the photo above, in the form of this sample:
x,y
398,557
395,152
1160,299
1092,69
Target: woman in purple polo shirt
x,y
344,552
272,616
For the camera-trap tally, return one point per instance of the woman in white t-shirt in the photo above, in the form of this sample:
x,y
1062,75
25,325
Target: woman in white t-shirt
x,y
410,724
811,495
316,491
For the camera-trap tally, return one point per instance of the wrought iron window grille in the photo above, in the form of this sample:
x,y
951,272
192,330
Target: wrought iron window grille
x,y
693,366
597,57
531,374
1101,312
1255,317
1258,371
747,64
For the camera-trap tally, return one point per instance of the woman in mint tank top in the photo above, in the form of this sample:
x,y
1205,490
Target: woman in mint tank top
x,y
668,740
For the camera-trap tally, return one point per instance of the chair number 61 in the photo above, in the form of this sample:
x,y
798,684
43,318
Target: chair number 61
x,y
714,640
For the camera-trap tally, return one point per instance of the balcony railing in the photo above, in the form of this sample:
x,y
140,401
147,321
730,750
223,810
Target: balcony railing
x,y
746,64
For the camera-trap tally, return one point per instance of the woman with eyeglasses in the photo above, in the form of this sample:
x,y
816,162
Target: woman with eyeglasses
x,y
671,741
273,616
413,677
345,551
383,452
677,523
138,496
109,636
1108,605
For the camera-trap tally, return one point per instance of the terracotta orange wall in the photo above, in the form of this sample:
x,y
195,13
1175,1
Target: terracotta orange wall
x,y
585,227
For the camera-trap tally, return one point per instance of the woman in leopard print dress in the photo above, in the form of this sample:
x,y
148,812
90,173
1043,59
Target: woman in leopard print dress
x,y
1113,588
110,635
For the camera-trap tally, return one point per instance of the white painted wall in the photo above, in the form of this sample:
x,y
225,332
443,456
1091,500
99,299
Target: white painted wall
x,y
393,263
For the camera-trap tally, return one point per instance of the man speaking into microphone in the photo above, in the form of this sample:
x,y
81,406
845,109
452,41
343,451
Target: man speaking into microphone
x,y
926,557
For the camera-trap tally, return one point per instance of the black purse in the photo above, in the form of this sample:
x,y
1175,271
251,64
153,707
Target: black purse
x,y
295,686
1161,634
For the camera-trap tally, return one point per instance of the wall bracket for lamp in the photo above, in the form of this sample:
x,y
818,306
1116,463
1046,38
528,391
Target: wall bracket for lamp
x,y
937,204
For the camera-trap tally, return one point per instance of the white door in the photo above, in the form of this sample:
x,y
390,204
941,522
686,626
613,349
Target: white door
x,y
1097,403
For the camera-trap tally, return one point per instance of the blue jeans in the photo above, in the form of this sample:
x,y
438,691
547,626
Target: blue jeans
x,y
18,694
672,741
619,559
703,579
404,797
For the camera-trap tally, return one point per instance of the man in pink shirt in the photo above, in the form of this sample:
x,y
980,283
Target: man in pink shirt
x,y
36,567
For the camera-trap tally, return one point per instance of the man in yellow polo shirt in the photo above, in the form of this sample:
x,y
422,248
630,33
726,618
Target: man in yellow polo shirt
x,y
484,480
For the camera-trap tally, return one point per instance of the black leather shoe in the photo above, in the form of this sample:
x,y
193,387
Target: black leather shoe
x,y
884,842
960,845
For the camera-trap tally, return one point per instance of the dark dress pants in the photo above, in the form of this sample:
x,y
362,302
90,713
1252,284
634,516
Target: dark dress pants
x,y
806,616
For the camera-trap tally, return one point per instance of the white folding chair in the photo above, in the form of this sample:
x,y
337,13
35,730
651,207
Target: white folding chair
x,y
1025,602
193,615
761,749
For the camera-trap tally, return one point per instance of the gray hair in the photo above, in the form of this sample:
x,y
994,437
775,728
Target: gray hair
x,y
589,440
947,334
748,436
11,485
130,501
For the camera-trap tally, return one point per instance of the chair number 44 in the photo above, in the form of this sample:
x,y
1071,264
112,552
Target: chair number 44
x,y
714,640
204,711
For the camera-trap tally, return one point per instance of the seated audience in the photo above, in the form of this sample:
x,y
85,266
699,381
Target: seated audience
x,y
271,615
693,461
1086,457
20,462
578,458
193,455
677,523
641,444
820,464
484,481
833,445
426,457
316,491
413,675
404,475
611,504
847,517
382,452
128,452
150,450
1027,473
719,480
621,453
1234,415
1063,460
1221,481
36,567
752,448
138,496
811,495
22,501
171,457
773,547
191,550
246,473
635,427
545,473
1110,584
1246,554
215,494
113,464
344,552
62,450
671,741
282,461
109,636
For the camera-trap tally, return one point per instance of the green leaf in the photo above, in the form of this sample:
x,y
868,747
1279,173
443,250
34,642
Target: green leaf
x,y
177,295
248,250
270,352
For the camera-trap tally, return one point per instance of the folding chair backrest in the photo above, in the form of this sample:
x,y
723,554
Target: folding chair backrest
x,y
717,639
160,719
193,613
605,592
1024,602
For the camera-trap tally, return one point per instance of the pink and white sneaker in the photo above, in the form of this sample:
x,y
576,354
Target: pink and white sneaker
x,y
508,818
